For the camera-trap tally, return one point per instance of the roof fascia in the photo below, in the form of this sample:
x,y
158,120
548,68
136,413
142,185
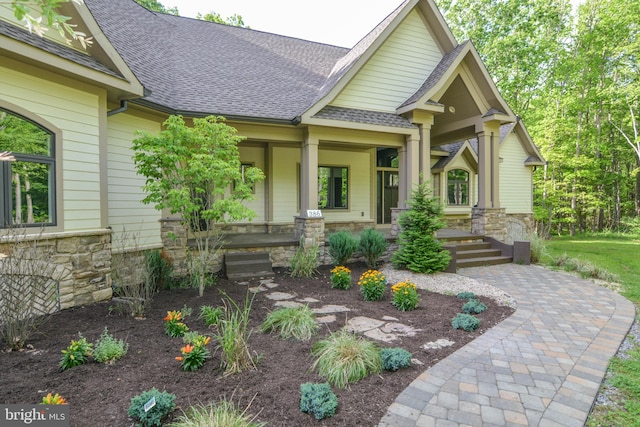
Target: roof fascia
x,y
527,142
438,26
465,147
359,126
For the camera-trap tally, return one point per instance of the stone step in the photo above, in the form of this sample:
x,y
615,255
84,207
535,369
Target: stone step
x,y
247,265
483,261
474,246
477,253
245,256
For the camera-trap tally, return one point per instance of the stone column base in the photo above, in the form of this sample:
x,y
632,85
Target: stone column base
x,y
489,222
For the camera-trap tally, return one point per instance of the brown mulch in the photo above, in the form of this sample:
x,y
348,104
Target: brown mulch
x,y
99,394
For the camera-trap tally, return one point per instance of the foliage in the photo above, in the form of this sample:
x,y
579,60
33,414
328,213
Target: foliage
x,y
372,284
234,20
165,404
344,358
466,322
173,324
340,277
194,354
211,315
76,353
584,268
222,414
292,322
537,247
418,249
195,172
466,295
156,6
305,261
405,296
474,306
233,335
159,269
133,283
28,287
372,244
318,400
342,246
395,358
109,349
53,399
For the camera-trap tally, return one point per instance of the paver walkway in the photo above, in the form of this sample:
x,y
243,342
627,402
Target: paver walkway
x,y
542,366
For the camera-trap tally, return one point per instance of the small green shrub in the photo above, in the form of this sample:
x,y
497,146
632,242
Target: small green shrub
x,y
373,244
340,277
344,358
292,322
342,245
108,349
211,315
222,414
159,269
466,295
318,400
305,261
372,285
473,306
537,247
405,296
466,322
194,354
173,324
76,354
395,358
165,403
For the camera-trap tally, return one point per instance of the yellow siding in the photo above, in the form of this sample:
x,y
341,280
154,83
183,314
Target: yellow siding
x,y
516,189
396,71
75,112
126,210
255,156
286,183
359,183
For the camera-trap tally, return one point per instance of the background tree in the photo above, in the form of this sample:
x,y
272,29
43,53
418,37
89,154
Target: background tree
x,y
195,172
156,6
234,20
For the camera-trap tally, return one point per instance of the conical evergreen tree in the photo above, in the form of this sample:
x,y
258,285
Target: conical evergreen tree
x,y
418,249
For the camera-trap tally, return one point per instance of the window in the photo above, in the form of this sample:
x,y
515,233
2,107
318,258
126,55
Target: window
x,y
458,187
27,185
332,187
243,168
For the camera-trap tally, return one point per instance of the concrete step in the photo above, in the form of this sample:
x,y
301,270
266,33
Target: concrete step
x,y
483,261
247,265
474,246
477,253
245,256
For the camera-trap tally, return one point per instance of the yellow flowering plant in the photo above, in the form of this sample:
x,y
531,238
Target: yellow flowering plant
x,y
173,325
340,277
53,399
372,285
405,296
194,354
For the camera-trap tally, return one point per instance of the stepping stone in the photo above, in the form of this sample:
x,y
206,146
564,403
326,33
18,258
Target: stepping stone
x,y
257,289
389,319
309,300
242,283
377,334
279,296
330,318
362,324
416,362
399,329
288,304
270,285
326,309
434,345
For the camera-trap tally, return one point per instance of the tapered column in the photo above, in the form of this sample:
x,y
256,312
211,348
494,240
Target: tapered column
x,y
489,167
425,149
309,175
412,164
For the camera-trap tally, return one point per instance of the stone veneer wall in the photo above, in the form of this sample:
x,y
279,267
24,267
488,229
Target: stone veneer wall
x,y
463,224
82,263
489,222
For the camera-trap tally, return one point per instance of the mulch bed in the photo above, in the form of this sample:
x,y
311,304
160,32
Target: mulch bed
x,y
99,395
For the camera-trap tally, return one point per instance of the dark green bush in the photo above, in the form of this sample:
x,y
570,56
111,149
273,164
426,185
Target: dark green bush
x,y
318,400
418,249
466,295
466,322
342,245
473,306
160,269
395,358
165,403
372,245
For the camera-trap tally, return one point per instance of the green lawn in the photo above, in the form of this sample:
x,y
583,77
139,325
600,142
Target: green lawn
x,y
618,254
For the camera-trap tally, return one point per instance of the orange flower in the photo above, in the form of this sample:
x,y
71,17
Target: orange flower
x,y
56,399
179,358
187,349
207,340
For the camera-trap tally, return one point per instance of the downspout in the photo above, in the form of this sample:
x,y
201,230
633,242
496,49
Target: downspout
x,y
124,105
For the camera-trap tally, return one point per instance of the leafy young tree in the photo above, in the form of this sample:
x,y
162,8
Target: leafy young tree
x,y
195,172
418,249
156,6
234,20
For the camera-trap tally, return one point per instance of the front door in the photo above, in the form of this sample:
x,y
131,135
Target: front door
x,y
387,195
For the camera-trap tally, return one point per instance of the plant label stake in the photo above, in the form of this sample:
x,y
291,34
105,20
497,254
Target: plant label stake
x,y
150,404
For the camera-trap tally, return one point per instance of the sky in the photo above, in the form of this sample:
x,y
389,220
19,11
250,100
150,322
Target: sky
x,y
337,22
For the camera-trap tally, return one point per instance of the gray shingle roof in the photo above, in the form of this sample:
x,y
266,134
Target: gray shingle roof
x,y
203,67
65,52
363,116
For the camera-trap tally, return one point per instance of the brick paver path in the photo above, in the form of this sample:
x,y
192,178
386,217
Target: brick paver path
x,y
542,366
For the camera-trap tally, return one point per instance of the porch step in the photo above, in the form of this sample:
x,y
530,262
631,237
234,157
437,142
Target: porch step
x,y
483,261
477,253
247,265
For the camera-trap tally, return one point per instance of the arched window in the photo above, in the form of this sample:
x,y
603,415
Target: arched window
x,y
458,187
27,184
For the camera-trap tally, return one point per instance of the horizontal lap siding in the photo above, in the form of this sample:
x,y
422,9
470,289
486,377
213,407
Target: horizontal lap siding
x,y
255,156
515,178
359,183
76,114
396,71
285,186
126,210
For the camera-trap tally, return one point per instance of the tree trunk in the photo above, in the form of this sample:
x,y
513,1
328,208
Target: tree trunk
x,y
27,187
18,199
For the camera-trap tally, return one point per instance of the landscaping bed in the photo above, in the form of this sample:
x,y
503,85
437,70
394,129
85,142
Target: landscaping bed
x,y
100,394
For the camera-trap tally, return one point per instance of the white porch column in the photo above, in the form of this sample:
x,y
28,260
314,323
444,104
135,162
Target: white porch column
x,y
489,167
309,174
425,149
402,177
412,163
